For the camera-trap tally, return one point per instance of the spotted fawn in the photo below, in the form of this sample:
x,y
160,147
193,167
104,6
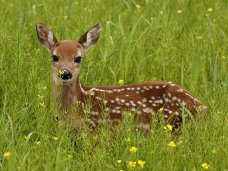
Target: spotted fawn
x,y
144,100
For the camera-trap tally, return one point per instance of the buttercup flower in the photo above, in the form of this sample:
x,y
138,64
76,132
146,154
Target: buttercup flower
x,y
55,138
214,151
7,154
205,166
118,161
179,11
168,127
138,6
131,164
171,144
128,139
133,149
210,10
141,163
61,72
42,104
91,93
69,156
121,82
161,110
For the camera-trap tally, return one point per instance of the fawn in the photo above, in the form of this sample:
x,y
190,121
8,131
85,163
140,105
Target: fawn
x,y
143,99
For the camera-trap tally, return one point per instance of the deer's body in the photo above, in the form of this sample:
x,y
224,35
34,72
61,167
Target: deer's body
x,y
143,99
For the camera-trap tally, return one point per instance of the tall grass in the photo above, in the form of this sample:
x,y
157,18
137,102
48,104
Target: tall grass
x,y
140,41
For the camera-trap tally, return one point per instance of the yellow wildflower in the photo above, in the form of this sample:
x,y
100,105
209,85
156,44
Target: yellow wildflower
x,y
7,154
138,6
40,97
133,149
214,151
131,164
141,163
42,104
179,11
37,142
128,139
69,156
44,88
161,110
121,82
168,127
171,144
205,166
121,169
61,72
55,138
91,93
210,10
118,161
199,37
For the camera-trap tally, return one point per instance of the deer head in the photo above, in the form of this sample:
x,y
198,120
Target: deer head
x,y
67,55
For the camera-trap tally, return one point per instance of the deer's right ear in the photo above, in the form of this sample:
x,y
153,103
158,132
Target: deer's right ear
x,y
45,36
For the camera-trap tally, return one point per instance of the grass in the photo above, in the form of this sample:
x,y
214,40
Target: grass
x,y
140,41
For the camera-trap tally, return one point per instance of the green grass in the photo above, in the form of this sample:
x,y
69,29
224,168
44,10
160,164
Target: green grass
x,y
150,43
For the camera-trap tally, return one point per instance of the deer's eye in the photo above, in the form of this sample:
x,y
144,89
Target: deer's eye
x,y
77,59
55,58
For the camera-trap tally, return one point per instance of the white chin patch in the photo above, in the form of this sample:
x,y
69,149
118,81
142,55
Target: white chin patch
x,y
59,81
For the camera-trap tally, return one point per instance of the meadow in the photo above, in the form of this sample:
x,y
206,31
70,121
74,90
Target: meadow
x,y
149,40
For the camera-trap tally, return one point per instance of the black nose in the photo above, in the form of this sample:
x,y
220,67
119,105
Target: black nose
x,y
65,74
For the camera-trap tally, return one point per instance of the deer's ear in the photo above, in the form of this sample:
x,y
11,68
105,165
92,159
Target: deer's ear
x,y
90,37
45,36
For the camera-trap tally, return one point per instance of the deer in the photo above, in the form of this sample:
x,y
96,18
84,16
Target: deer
x,y
144,100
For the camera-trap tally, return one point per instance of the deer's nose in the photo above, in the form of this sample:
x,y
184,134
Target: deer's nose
x,y
65,74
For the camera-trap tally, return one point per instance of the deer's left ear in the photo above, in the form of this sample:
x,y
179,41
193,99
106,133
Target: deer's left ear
x,y
45,36
90,37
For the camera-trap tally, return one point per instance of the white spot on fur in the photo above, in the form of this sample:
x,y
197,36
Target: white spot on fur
x,y
133,109
157,87
174,98
176,113
117,99
180,91
139,112
122,100
147,110
132,103
94,113
143,105
139,102
98,98
152,97
144,100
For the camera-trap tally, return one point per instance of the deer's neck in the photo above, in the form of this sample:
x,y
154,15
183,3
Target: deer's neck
x,y
71,92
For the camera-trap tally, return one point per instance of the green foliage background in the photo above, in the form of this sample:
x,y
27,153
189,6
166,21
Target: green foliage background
x,y
140,41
